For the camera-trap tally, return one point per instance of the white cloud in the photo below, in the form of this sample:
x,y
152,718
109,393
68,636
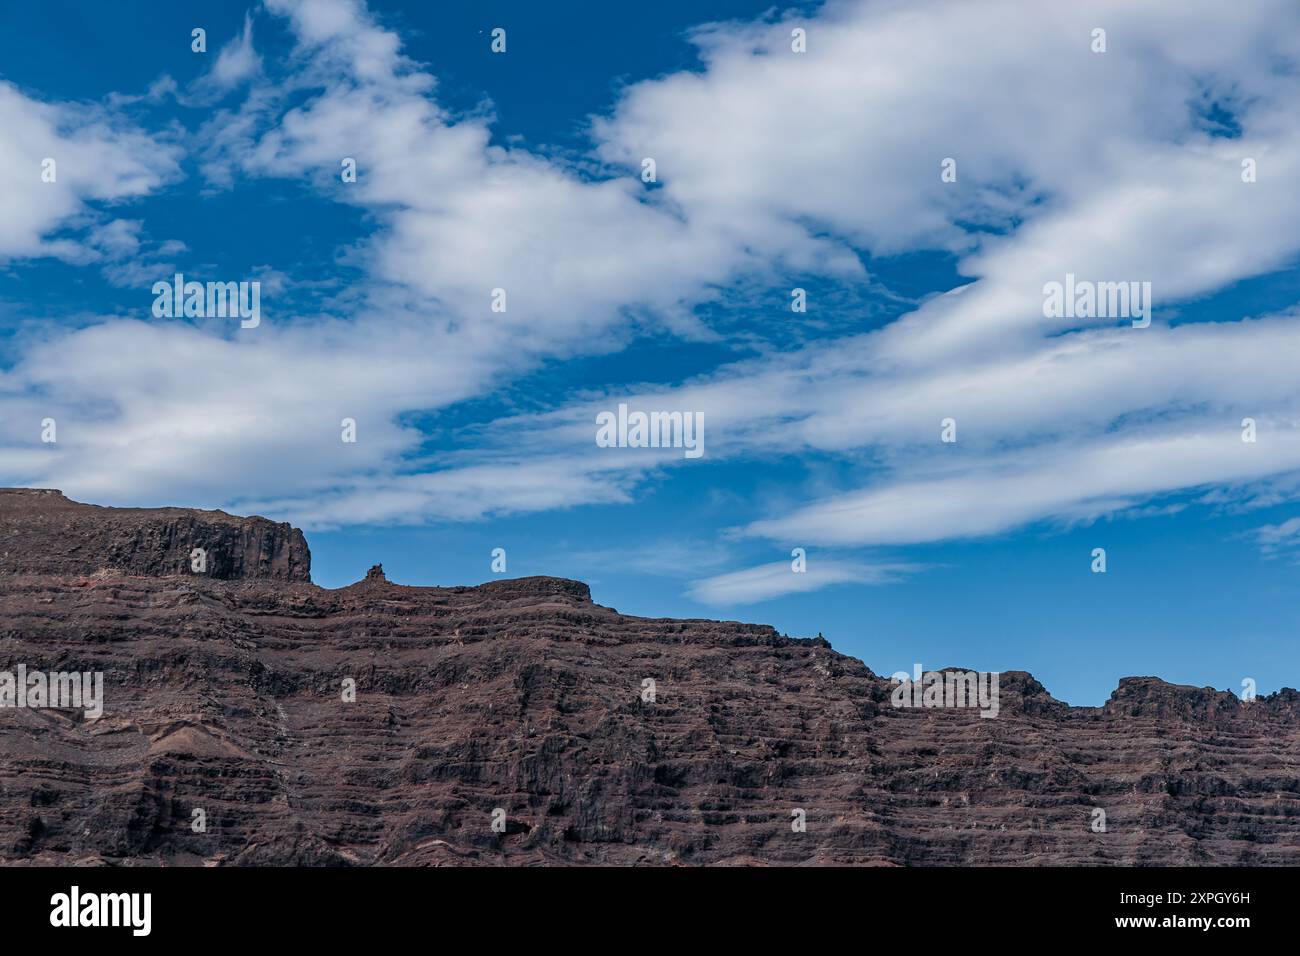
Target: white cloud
x,y
98,158
1274,539
237,62
583,263
772,163
127,257
768,581
1005,492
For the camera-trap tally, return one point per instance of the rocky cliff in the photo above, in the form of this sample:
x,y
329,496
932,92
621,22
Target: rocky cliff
x,y
42,532
250,717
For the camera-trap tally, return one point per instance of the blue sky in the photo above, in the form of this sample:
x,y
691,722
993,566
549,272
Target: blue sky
x,y
776,170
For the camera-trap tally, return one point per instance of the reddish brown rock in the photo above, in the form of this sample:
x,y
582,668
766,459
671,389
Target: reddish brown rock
x,y
227,695
42,532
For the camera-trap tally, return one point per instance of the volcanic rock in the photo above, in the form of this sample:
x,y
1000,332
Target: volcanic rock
x,y
251,717
42,532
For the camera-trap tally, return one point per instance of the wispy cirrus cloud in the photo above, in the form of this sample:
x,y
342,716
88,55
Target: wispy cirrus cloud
x,y
1278,539
768,581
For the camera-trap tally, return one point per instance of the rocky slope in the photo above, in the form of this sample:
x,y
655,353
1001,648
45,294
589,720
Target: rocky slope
x,y
225,693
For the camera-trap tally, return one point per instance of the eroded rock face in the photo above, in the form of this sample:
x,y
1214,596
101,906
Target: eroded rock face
x,y
42,532
230,696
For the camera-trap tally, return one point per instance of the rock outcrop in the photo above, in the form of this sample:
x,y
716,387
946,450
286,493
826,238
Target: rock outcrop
x,y
250,717
42,532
